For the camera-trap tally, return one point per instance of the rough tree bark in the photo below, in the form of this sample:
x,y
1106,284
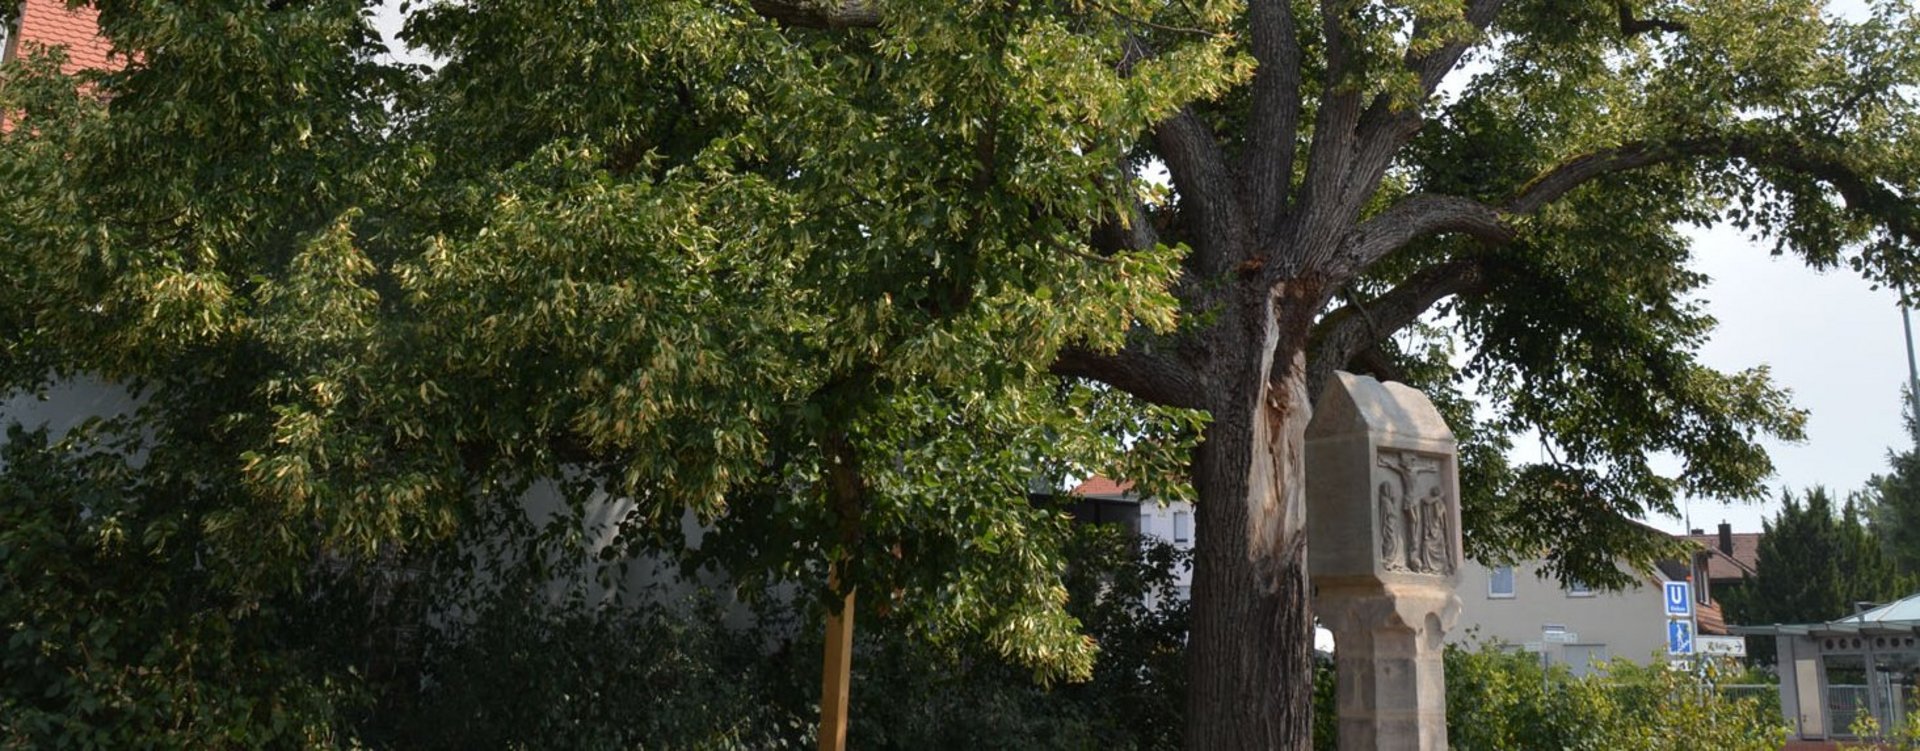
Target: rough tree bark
x,y
1250,655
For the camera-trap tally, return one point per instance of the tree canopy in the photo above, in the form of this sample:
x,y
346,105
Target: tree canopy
x,y
844,279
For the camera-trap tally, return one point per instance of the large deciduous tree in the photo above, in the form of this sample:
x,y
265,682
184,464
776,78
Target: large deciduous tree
x,y
804,266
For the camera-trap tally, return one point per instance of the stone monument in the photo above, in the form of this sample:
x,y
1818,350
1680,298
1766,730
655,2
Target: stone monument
x,y
1383,524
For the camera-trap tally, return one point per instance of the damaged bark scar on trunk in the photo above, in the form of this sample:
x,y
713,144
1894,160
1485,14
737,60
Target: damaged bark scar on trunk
x,y
1276,481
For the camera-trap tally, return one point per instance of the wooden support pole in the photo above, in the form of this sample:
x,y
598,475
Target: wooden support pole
x,y
836,677
845,490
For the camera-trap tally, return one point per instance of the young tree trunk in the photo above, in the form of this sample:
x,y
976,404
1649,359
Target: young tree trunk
x,y
1250,659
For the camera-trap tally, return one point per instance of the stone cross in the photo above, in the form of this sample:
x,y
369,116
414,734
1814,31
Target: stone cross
x,y
1383,525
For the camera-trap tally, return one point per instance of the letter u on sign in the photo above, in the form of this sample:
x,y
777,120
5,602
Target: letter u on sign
x,y
1679,599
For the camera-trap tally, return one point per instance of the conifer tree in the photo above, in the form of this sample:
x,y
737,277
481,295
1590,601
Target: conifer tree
x,y
1894,502
1816,563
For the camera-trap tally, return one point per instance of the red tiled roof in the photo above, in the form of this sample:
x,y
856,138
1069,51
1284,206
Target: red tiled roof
x,y
1099,486
1722,566
50,23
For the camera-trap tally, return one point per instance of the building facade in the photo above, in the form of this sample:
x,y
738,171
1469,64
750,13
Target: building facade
x,y
1575,625
1516,607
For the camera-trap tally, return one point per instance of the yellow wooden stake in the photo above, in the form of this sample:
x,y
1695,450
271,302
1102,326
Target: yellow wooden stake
x,y
836,677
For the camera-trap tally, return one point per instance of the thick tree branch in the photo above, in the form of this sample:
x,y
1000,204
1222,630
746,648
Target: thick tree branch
x,y
1357,327
1276,113
1860,191
1388,125
1426,214
1317,215
1347,164
1375,361
1415,217
820,14
1156,379
1549,186
1206,190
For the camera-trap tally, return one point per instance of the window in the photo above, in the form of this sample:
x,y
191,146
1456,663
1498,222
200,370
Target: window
x,y
1577,588
1183,527
1500,583
1699,579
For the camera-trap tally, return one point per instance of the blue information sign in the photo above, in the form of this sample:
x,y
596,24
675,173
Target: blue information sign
x,y
1679,599
1679,637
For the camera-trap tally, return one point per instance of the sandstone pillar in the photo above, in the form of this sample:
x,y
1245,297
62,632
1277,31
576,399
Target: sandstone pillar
x,y
1383,520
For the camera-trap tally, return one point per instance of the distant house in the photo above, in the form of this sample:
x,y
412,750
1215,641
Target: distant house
x,y
1576,625
1103,501
1728,558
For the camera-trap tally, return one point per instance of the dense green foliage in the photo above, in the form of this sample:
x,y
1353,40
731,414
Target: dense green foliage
x,y
120,635
363,307
812,287
1815,563
1503,701
1875,736
714,678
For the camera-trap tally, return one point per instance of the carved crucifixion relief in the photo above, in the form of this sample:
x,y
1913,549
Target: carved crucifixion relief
x,y
1416,519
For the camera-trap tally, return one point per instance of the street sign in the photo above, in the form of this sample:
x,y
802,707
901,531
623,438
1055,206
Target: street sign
x,y
1679,637
1560,637
1725,646
1679,600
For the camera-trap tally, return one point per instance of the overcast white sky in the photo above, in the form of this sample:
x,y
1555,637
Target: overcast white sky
x,y
1831,338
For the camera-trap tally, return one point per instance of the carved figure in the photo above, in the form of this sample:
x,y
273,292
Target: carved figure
x,y
1414,532
1435,542
1410,527
1393,548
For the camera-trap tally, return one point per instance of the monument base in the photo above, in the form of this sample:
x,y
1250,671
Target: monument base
x,y
1388,641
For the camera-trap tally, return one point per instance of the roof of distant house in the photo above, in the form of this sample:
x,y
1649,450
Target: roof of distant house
x,y
1097,486
50,23
1722,565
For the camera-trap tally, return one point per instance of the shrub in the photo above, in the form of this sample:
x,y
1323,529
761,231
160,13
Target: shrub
x,y
1500,701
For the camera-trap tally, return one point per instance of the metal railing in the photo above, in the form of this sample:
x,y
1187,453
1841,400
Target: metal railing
x,y
1847,702
1767,695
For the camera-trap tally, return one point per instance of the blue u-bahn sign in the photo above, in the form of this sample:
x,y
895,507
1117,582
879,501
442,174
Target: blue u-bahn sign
x,y
1679,599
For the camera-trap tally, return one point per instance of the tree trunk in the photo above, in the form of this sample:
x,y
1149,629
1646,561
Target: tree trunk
x,y
1250,659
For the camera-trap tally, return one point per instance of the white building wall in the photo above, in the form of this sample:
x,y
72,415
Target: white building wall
x,y
1605,625
1171,523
